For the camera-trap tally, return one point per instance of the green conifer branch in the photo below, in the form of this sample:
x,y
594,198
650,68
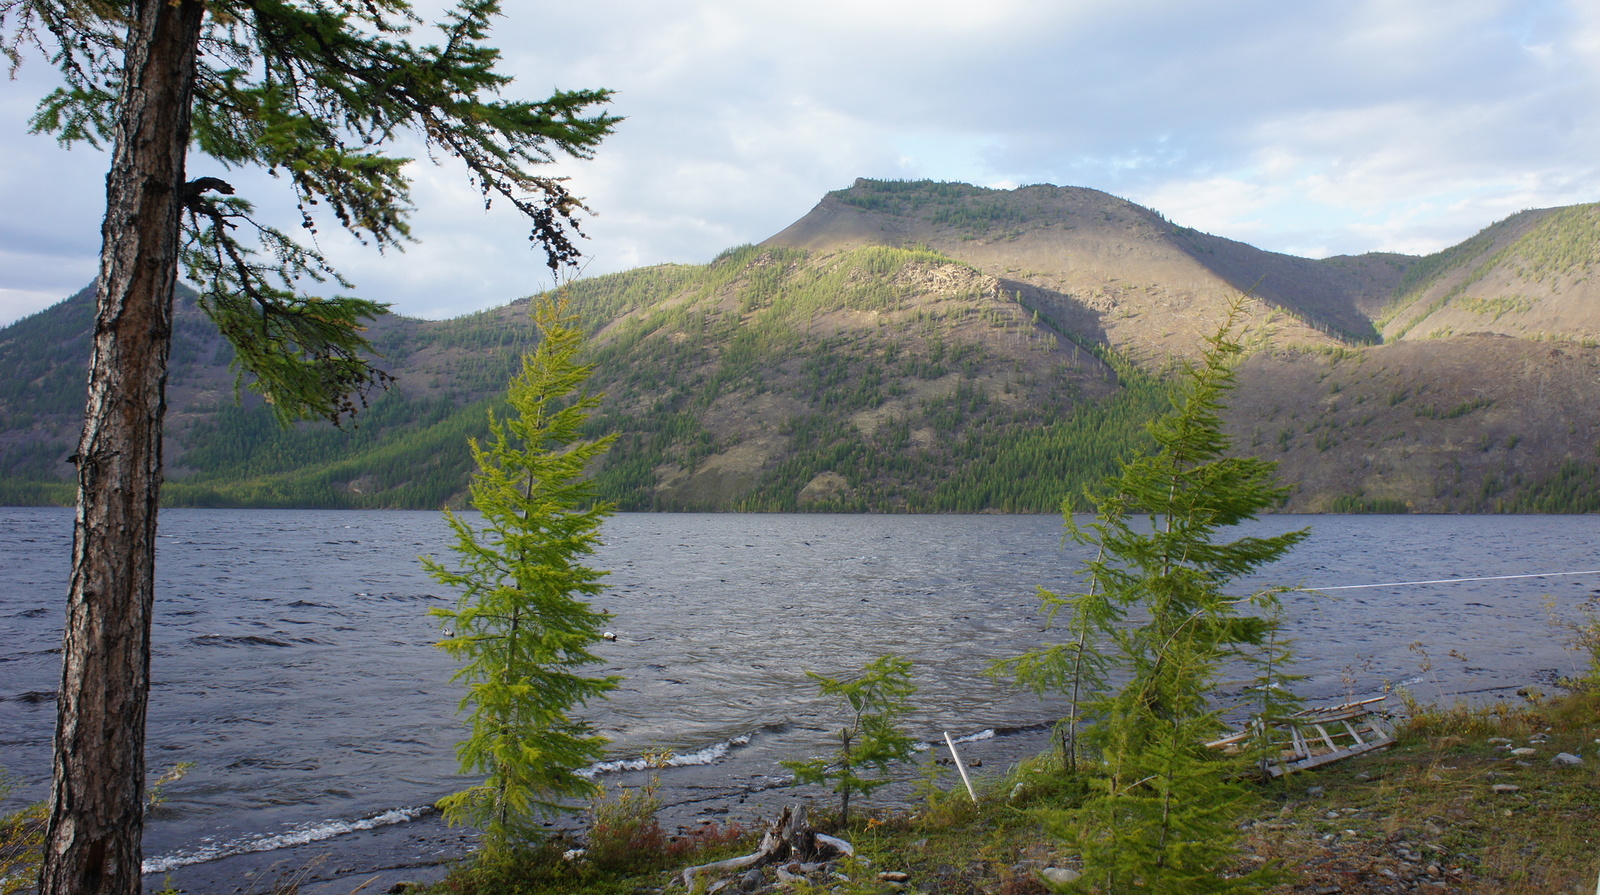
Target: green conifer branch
x,y
522,628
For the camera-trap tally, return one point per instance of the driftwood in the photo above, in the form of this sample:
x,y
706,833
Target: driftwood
x,y
789,841
1313,737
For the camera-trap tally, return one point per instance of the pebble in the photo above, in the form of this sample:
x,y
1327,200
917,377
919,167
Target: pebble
x,y
894,876
1524,751
1059,876
1566,760
1505,787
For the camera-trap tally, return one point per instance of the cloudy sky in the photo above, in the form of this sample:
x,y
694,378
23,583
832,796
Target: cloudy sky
x,y
1315,127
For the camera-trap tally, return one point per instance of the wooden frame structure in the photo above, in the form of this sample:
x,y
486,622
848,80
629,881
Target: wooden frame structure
x,y
1314,737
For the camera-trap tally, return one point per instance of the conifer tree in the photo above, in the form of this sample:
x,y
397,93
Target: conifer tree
x,y
870,740
314,92
522,627
1162,810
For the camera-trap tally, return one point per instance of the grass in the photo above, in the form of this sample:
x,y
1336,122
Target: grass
x,y
1449,808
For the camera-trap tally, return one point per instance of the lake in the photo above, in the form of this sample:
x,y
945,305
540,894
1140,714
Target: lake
x,y
294,663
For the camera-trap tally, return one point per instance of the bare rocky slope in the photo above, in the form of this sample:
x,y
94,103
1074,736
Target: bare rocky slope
x,y
939,347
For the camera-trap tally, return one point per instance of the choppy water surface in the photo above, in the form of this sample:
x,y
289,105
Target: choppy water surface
x,y
294,663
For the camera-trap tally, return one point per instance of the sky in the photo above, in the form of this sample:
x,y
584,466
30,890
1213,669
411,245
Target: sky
x,y
1317,127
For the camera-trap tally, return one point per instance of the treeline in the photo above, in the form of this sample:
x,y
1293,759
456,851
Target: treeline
x,y
962,206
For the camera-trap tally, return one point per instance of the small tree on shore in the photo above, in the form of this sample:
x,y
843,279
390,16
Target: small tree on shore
x,y
521,626
869,742
1162,809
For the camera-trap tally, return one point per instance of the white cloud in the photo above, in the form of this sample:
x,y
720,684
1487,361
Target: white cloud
x,y
1312,127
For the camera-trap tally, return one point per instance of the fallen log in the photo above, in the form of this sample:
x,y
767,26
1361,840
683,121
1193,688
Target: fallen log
x,y
790,840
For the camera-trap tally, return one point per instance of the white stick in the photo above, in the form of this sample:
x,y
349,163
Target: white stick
x,y
960,766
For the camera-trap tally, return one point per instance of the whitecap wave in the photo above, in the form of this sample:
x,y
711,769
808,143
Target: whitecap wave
x,y
709,754
300,835
985,734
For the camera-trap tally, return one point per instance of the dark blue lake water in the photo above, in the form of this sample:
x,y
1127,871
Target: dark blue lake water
x,y
294,662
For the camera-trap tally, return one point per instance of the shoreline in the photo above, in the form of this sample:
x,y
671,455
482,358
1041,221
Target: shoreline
x,y
423,850
749,789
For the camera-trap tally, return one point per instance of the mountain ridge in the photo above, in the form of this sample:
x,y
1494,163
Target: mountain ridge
x,y
913,346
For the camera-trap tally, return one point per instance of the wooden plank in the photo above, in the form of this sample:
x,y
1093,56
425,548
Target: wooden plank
x,y
1354,734
1332,746
1307,740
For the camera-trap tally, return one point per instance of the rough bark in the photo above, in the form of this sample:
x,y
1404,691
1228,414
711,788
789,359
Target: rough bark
x,y
92,845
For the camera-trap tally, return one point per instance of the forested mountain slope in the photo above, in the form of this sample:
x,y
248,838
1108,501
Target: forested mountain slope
x,y
773,379
1532,275
933,347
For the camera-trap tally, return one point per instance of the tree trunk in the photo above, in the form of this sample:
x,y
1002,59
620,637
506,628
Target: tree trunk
x,y
92,845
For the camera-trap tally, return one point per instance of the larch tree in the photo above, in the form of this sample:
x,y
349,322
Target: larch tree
x,y
870,741
522,628
313,91
1150,637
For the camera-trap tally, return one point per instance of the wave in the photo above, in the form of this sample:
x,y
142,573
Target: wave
x,y
708,755
986,734
254,640
301,835
399,598
242,640
32,697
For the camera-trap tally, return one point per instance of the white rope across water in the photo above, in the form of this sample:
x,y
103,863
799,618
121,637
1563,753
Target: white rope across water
x,y
1455,580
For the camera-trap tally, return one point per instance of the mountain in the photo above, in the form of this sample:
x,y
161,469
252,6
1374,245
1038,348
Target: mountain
x,y
1109,268
935,347
1531,275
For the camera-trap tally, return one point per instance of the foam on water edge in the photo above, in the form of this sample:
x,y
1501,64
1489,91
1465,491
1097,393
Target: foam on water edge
x,y
301,835
709,754
327,829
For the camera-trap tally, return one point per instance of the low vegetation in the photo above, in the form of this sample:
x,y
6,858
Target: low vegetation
x,y
1454,806
1451,807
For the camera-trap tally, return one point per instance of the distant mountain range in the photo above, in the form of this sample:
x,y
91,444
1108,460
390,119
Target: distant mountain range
x,y
937,347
